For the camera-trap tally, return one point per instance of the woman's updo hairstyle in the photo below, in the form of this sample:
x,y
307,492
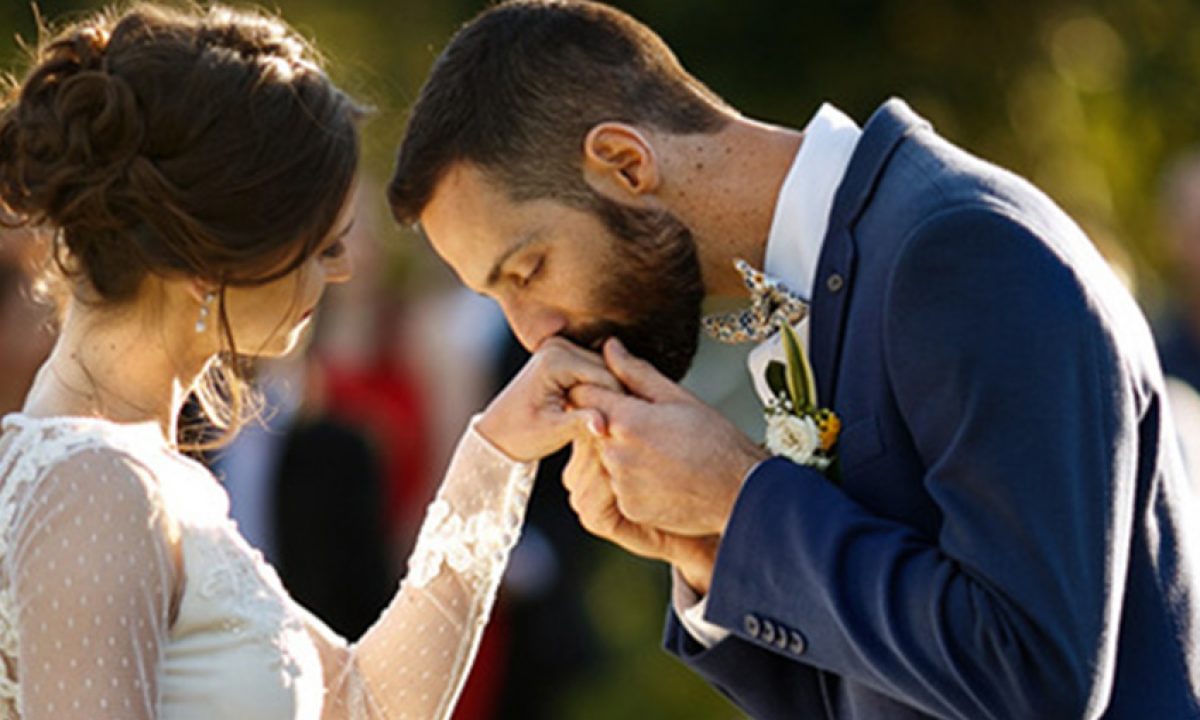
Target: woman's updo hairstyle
x,y
205,142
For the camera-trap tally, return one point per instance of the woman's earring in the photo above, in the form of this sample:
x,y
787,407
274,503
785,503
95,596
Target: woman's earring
x,y
202,323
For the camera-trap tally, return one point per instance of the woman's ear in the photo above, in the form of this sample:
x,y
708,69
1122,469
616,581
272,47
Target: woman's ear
x,y
620,163
201,291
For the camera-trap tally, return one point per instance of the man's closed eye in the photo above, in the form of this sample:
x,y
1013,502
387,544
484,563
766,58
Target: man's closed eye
x,y
523,281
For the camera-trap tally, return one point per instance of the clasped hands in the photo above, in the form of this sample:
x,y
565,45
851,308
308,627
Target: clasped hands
x,y
653,469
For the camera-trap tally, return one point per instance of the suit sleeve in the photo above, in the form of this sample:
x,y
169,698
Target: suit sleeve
x,y
755,679
1007,378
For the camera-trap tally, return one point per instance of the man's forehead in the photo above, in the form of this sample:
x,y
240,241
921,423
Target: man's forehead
x,y
477,227
456,210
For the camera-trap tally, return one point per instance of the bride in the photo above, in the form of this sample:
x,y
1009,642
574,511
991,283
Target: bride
x,y
195,166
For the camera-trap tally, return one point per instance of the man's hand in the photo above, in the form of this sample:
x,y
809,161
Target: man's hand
x,y
592,499
675,464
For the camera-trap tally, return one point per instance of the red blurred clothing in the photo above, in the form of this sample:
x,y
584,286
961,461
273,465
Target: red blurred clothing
x,y
385,399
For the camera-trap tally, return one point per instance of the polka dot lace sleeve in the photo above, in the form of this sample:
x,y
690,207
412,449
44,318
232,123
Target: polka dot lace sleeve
x,y
88,577
413,662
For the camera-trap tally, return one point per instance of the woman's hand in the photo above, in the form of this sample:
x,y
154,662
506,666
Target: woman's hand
x,y
532,417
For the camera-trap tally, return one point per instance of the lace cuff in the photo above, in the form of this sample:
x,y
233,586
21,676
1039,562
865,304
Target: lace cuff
x,y
472,526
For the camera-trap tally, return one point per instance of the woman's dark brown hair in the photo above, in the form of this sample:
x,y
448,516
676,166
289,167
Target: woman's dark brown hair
x,y
202,142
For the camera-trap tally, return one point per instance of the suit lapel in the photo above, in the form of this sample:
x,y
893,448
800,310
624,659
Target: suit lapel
x,y
835,270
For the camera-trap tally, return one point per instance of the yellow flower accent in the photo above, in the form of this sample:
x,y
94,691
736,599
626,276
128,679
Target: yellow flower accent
x,y
829,425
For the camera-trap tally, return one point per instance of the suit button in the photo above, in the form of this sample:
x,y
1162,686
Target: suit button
x,y
751,625
797,645
835,282
768,632
781,639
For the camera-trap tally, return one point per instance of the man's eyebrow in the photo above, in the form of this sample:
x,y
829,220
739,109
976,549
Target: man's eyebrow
x,y
493,276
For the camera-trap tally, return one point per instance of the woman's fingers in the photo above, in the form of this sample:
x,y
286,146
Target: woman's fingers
x,y
569,365
534,416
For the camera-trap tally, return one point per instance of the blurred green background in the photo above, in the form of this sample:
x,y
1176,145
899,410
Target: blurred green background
x,y
1089,100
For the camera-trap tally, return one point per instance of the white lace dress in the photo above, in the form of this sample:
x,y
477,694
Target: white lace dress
x,y
127,592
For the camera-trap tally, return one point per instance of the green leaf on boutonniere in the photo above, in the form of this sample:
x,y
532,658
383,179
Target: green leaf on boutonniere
x,y
800,382
777,378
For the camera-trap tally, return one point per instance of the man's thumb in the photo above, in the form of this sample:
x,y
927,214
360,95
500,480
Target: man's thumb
x,y
638,376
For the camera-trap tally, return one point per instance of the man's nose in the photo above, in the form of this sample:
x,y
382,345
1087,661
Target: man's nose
x,y
533,326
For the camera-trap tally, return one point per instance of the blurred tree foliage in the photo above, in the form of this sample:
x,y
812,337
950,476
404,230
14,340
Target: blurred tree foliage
x,y
1089,99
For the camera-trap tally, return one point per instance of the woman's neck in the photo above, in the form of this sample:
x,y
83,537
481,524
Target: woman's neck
x,y
113,364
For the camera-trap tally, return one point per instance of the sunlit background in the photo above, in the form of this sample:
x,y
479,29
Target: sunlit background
x,y
1090,100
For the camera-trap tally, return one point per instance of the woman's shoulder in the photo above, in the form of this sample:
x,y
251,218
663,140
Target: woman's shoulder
x,y
91,466
50,441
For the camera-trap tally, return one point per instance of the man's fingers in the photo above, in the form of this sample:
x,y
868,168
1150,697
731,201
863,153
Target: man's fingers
x,y
591,497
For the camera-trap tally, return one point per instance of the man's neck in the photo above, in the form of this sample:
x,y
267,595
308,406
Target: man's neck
x,y
725,187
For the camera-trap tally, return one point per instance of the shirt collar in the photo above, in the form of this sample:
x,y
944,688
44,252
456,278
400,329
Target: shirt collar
x,y
806,199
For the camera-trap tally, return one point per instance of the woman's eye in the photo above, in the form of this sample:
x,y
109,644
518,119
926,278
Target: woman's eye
x,y
334,251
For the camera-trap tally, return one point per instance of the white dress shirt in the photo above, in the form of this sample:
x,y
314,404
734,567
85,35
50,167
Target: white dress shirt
x,y
793,250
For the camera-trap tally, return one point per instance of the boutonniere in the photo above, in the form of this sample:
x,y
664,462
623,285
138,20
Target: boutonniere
x,y
797,428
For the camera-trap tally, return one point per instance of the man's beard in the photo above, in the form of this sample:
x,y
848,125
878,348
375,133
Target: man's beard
x,y
654,285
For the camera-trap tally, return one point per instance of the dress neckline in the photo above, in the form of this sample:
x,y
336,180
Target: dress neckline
x,y
147,429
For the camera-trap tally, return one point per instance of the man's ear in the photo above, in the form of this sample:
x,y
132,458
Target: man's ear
x,y
620,163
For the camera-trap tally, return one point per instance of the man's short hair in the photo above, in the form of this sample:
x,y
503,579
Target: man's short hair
x,y
518,88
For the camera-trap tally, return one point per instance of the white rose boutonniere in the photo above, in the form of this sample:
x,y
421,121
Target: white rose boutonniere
x,y
796,428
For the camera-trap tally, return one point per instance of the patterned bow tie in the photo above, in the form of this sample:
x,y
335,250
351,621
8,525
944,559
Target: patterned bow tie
x,y
770,303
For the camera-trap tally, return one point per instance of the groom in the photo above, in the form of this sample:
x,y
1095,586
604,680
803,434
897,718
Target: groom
x,y
1009,536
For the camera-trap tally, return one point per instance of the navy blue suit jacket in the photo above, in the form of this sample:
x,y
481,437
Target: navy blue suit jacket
x,y
1012,536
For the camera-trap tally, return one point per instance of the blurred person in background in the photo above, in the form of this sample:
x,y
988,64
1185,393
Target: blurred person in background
x,y
307,489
